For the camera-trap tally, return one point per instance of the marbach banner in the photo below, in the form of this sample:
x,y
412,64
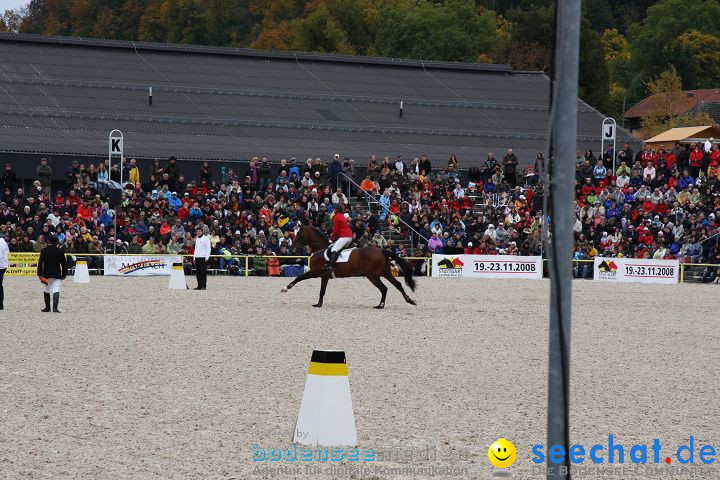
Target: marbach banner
x,y
636,270
486,266
134,265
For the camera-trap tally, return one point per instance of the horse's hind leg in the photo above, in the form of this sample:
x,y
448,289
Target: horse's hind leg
x,y
383,289
395,283
323,286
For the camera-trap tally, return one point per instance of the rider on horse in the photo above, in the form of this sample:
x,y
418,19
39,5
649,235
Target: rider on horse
x,y
341,235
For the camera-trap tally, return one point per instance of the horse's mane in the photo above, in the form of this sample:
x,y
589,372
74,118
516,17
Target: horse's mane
x,y
318,231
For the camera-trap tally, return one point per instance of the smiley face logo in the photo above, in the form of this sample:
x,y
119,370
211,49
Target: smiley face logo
x,y
502,453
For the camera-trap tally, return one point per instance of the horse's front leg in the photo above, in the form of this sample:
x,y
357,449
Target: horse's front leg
x,y
323,286
304,276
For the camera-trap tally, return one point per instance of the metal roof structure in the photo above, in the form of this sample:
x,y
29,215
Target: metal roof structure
x,y
62,95
681,134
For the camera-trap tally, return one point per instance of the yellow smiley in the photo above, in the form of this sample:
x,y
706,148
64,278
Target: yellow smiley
x,y
502,453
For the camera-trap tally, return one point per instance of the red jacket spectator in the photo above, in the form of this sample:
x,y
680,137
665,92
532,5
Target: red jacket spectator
x,y
73,199
645,237
183,212
84,212
696,157
472,250
715,158
646,157
670,160
587,189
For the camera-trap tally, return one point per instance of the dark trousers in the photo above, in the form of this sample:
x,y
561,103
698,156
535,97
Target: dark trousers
x,y
201,272
2,291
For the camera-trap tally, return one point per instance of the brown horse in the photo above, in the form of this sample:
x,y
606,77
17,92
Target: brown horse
x,y
370,262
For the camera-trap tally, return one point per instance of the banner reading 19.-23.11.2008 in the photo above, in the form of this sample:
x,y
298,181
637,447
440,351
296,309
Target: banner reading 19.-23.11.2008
x,y
486,266
636,270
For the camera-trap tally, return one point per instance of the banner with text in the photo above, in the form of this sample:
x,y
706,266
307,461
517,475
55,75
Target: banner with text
x,y
132,265
22,264
636,270
486,266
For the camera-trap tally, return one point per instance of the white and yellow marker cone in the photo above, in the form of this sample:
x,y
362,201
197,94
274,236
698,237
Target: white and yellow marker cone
x,y
82,274
177,277
326,413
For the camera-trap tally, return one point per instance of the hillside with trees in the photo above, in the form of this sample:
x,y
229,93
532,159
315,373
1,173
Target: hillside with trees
x,y
625,44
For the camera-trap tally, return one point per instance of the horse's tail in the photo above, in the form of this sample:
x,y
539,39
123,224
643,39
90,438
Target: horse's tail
x,y
404,265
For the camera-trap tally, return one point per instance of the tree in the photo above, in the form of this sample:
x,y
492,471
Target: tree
x,y
454,31
184,21
532,38
702,51
615,45
599,12
35,19
228,22
593,81
503,42
653,39
617,59
339,26
275,36
321,32
666,96
152,28
11,20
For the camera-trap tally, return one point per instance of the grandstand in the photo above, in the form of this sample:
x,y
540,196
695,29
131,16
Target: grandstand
x,y
64,95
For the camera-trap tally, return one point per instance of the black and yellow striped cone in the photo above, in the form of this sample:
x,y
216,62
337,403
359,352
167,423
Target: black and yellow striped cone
x,y
326,414
177,277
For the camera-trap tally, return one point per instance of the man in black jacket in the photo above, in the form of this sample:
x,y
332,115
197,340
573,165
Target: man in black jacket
x,y
510,163
52,268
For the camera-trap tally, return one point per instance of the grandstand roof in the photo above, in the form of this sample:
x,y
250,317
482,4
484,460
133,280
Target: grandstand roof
x,y
691,134
64,95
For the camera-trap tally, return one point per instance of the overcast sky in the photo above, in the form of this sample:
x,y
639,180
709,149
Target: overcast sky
x,y
10,4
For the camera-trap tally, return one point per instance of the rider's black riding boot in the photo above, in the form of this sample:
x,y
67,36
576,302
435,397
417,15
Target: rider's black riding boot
x,y
331,263
56,302
47,302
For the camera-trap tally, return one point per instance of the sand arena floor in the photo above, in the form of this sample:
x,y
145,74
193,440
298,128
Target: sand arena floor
x,y
133,381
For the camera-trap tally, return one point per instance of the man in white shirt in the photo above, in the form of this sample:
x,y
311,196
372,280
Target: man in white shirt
x,y
622,180
400,165
202,254
3,266
339,197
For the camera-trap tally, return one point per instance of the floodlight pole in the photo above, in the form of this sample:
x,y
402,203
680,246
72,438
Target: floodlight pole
x,y
563,147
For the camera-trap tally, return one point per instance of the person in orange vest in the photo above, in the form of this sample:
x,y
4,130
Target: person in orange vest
x,y
273,264
341,236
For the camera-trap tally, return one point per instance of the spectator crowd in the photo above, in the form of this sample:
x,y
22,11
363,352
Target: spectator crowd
x,y
656,204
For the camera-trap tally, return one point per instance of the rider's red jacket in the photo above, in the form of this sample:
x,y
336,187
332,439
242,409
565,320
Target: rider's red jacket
x,y
341,228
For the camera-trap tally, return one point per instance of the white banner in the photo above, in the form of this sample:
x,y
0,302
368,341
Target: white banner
x,y
131,265
636,270
486,266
